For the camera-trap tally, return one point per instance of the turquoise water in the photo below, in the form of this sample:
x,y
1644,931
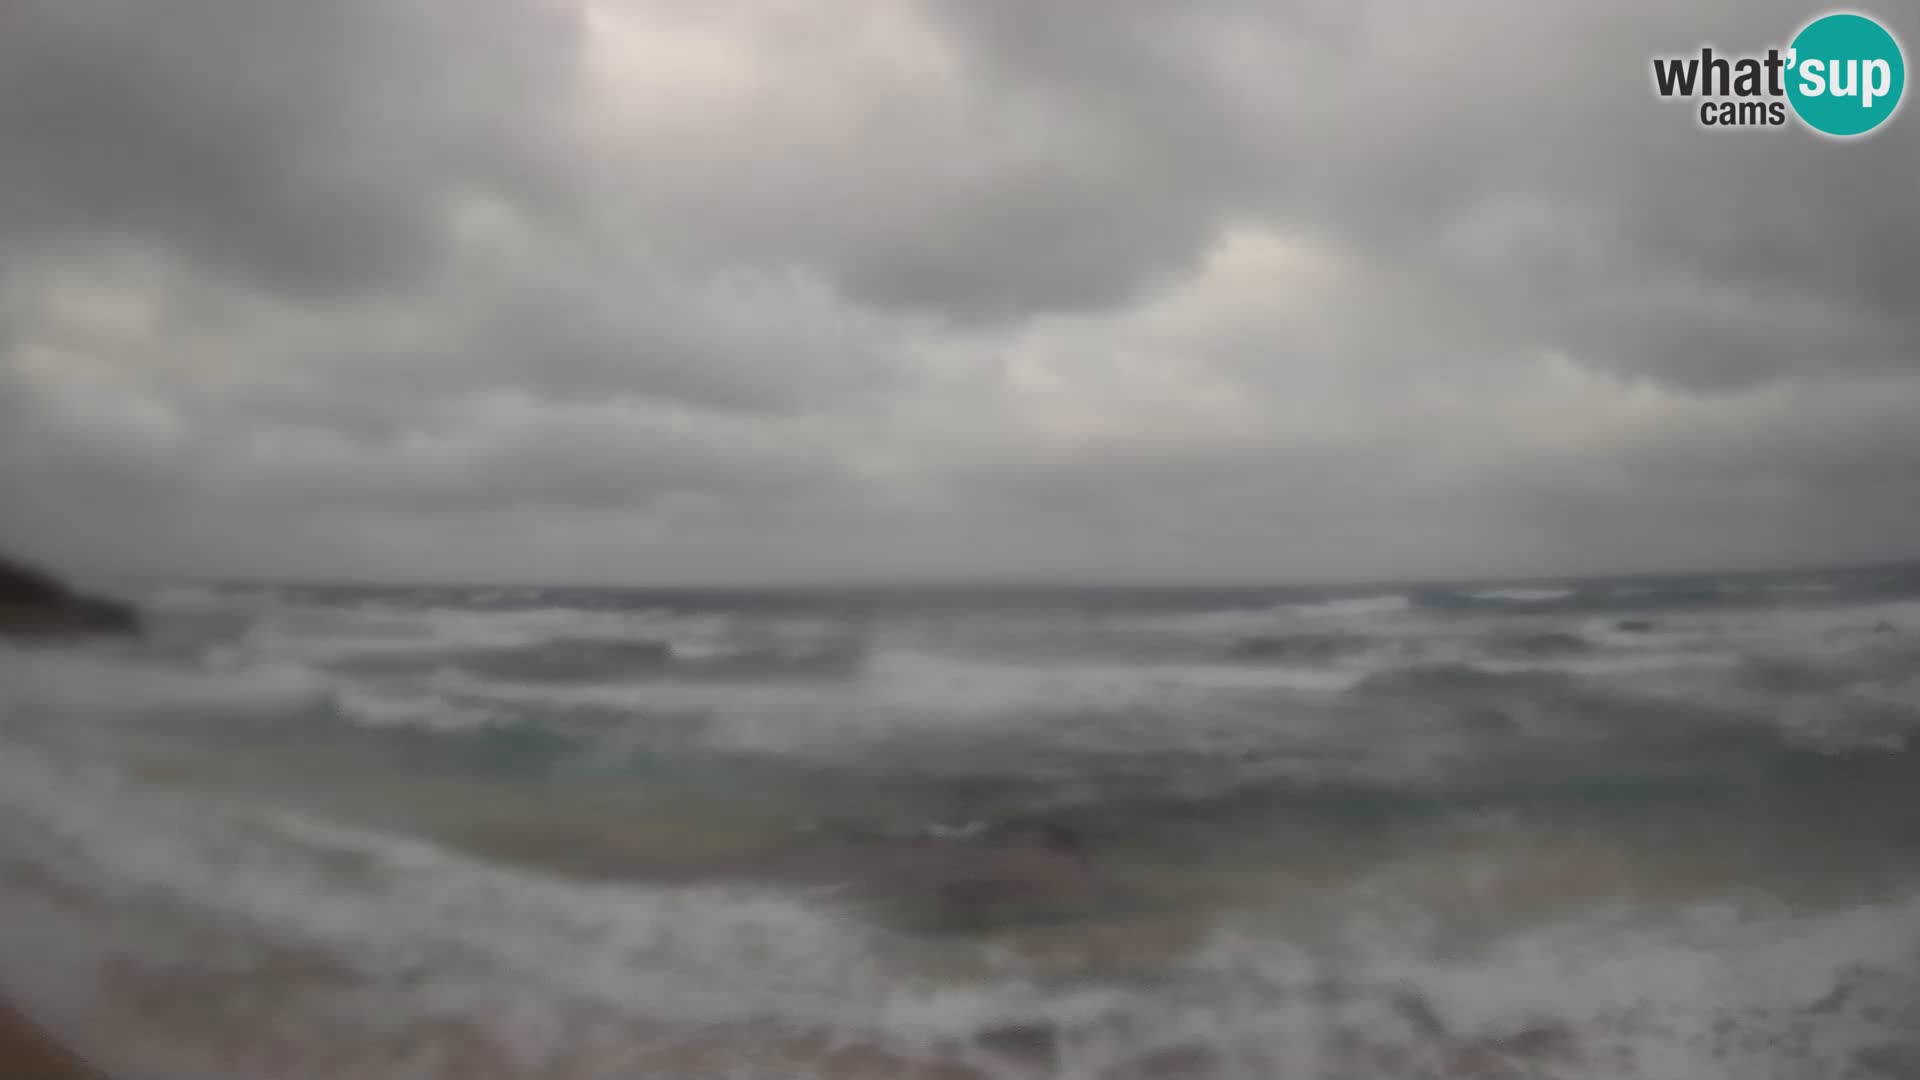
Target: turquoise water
x,y
1648,827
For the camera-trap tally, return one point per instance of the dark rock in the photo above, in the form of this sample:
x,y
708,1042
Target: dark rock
x,y
1635,626
1024,871
1034,1042
955,879
1038,833
1526,1053
35,605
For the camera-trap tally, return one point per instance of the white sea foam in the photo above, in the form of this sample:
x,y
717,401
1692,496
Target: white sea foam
x,y
227,684
1355,606
186,598
424,709
103,681
1836,621
1604,665
1231,622
388,634
1519,595
689,953
433,939
903,677
901,690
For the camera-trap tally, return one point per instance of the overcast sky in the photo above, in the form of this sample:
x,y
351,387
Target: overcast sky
x,y
846,290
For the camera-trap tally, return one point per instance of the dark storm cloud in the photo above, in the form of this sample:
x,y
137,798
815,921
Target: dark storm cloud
x,y
1095,233
1079,288
306,145
1008,255
742,343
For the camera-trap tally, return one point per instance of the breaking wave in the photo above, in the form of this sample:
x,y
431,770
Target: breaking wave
x,y
434,953
1519,596
1642,828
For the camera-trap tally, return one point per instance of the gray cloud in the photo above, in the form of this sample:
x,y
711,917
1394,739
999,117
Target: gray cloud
x,y
307,146
648,291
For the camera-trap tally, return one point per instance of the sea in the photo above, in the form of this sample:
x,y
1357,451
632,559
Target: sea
x,y
1651,828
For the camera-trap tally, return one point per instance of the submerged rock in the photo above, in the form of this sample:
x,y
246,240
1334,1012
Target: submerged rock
x,y
990,876
969,878
1040,834
35,605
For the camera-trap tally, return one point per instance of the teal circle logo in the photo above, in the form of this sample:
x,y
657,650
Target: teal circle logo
x,y
1845,74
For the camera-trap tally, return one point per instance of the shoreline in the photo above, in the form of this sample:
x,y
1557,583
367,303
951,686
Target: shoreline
x,y
28,1051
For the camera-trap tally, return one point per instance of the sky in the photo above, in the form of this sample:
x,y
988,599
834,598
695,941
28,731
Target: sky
x,y
791,291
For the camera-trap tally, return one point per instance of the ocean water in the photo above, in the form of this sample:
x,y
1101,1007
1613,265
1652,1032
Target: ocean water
x,y
1653,828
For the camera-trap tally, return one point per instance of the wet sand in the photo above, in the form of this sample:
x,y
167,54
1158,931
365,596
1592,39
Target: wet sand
x,y
28,1052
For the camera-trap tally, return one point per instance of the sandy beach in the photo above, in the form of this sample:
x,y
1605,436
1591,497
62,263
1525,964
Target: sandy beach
x,y
28,1052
